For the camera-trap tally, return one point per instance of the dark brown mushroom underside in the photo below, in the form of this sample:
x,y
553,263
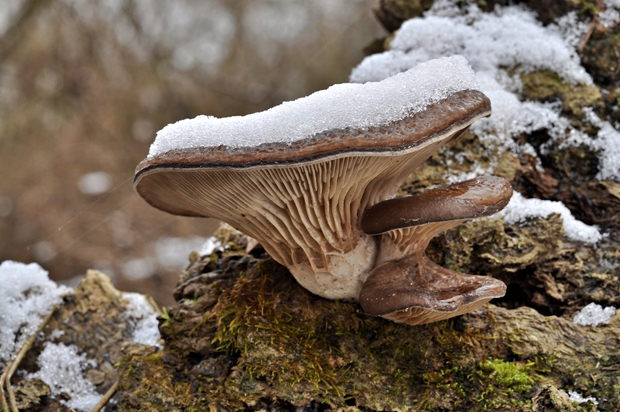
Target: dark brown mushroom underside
x,y
415,290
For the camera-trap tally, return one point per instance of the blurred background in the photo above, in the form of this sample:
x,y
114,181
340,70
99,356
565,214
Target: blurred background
x,y
86,84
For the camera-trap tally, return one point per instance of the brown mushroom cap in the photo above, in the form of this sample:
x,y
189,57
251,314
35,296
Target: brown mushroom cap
x,y
415,290
475,198
446,118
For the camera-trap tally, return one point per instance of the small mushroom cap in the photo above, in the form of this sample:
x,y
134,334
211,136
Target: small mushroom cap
x,y
479,197
416,290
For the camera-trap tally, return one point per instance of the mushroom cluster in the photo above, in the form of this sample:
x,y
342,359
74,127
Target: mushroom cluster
x,y
323,205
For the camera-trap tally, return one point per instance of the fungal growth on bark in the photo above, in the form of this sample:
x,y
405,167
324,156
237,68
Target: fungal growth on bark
x,y
313,179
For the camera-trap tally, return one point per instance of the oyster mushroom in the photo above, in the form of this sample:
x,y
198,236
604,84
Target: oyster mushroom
x,y
405,285
299,177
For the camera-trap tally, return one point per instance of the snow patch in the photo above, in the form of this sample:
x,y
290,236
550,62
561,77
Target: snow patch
x,y
63,368
491,42
26,296
520,209
594,315
608,143
611,15
357,106
210,246
577,397
144,319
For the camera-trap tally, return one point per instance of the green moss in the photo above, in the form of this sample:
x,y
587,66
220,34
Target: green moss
x,y
508,376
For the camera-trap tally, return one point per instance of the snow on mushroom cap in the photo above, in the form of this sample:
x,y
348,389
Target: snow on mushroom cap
x,y
375,104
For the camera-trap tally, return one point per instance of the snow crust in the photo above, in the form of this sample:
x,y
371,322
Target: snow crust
x,y
577,397
607,142
594,315
62,367
26,297
144,319
520,209
357,106
490,41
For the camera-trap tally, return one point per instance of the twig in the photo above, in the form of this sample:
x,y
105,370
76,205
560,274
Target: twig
x,y
108,395
5,406
586,37
5,379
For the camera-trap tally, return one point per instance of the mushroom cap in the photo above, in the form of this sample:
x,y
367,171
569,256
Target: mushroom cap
x,y
471,199
415,290
447,118
405,286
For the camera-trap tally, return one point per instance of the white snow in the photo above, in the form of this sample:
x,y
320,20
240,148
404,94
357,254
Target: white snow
x,y
611,15
95,183
594,315
356,106
26,296
608,143
491,42
63,368
144,319
577,397
520,209
209,246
